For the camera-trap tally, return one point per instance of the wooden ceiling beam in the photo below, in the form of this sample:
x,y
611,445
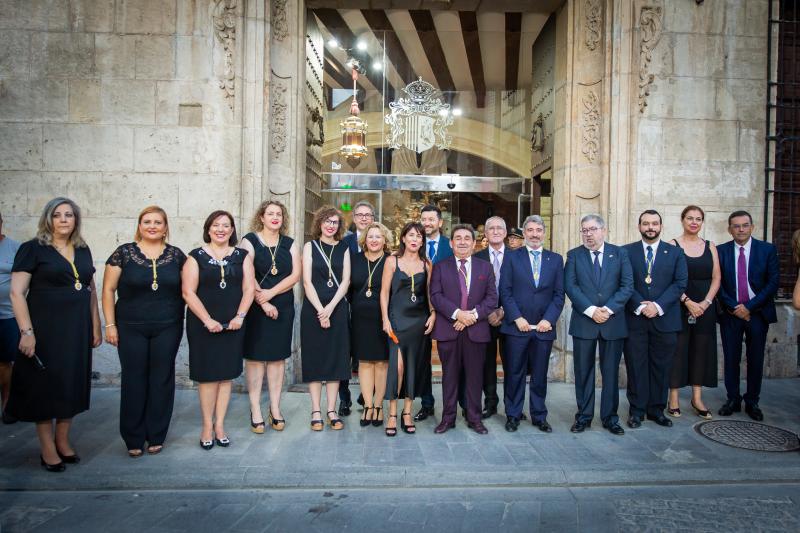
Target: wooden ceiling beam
x,y
380,23
469,30
513,38
423,22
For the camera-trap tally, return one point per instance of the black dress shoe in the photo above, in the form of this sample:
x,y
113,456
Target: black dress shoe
x,y
69,459
344,408
223,442
205,444
423,414
523,416
661,420
543,426
754,412
730,407
488,411
579,426
634,422
444,426
478,428
511,424
58,467
615,429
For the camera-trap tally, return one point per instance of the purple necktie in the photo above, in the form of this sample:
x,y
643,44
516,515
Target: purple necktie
x,y
741,277
462,278
496,267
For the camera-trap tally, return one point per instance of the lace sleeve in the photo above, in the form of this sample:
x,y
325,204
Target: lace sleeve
x,y
117,258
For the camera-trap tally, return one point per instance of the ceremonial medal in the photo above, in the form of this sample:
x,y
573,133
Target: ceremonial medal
x,y
78,286
413,297
368,294
154,286
330,283
222,284
648,279
274,270
370,272
273,255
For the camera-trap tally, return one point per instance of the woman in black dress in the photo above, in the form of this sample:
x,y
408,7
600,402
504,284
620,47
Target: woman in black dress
x,y
59,325
269,323
695,360
408,317
146,326
218,288
368,341
325,316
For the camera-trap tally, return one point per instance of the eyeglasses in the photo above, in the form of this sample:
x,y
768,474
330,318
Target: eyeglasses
x,y
587,231
363,215
329,222
737,227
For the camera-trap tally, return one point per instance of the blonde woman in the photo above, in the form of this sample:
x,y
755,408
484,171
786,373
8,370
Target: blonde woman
x,y
52,293
268,335
368,342
144,309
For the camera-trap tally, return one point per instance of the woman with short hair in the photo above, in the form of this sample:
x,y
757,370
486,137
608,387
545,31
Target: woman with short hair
x,y
218,289
53,296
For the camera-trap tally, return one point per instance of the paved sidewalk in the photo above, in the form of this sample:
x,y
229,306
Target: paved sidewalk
x,y
592,480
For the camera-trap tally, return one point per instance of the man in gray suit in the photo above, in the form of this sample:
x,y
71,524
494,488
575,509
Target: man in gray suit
x,y
599,281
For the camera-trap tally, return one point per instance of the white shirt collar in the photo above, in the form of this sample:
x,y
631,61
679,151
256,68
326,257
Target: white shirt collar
x,y
468,261
654,246
540,249
501,251
601,249
746,246
436,240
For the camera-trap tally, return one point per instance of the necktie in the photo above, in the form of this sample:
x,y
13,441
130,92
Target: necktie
x,y
535,254
741,277
496,267
597,268
431,250
462,278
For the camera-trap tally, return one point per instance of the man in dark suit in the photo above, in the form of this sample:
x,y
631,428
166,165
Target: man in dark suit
x,y
494,253
654,320
363,216
463,293
532,293
599,281
749,283
437,246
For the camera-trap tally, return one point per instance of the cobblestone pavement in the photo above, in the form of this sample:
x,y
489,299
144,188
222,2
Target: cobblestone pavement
x,y
653,478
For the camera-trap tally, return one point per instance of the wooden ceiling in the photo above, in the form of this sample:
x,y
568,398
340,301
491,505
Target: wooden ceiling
x,y
457,45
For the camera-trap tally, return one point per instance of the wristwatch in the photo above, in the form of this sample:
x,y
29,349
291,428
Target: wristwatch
x,y
241,315
26,332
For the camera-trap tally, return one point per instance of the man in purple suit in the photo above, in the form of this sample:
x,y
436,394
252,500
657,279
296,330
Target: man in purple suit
x,y
463,293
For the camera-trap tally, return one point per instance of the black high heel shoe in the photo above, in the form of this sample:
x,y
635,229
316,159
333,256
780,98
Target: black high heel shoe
x,y
391,432
365,421
58,467
378,420
69,459
256,427
410,428
701,413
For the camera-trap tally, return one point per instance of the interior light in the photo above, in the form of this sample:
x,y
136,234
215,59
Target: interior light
x,y
361,45
377,65
457,112
333,43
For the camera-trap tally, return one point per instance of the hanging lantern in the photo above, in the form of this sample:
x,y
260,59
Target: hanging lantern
x,y
354,132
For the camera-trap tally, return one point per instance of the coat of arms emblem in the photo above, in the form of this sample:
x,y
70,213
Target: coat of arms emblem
x,y
420,120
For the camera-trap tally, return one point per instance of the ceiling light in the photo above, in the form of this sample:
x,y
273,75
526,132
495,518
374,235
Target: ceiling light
x,y
333,43
457,112
361,45
377,65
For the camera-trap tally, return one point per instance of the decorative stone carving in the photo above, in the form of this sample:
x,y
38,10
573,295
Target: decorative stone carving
x,y
594,16
650,25
280,24
279,111
537,134
317,118
223,15
590,144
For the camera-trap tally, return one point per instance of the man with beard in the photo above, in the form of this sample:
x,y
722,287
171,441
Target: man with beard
x,y
598,279
363,216
654,319
438,248
532,293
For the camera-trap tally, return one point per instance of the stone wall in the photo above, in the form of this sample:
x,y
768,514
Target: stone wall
x,y
117,105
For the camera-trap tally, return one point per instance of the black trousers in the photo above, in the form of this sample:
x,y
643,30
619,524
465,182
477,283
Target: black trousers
x,y
583,356
754,333
648,361
147,357
490,397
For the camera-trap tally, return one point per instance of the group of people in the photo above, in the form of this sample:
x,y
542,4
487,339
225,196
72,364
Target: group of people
x,y
655,301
